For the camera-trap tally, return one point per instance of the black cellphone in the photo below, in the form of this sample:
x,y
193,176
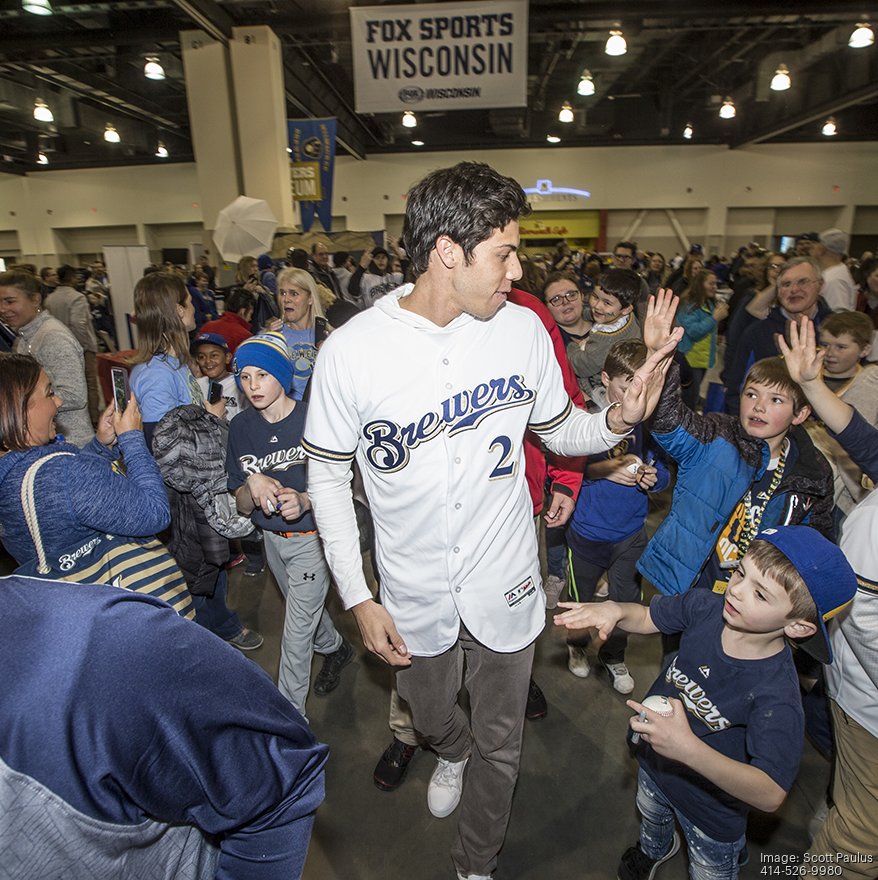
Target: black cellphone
x,y
214,391
319,330
121,390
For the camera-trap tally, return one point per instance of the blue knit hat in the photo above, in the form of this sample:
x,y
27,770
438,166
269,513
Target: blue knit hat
x,y
827,575
269,352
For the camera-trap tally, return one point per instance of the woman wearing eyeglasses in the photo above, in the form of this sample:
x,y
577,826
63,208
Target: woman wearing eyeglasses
x,y
567,306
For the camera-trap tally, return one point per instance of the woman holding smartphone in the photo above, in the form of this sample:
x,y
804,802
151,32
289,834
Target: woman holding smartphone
x,y
80,494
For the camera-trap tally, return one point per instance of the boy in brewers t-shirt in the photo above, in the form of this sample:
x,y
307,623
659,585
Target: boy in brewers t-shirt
x,y
734,738
266,466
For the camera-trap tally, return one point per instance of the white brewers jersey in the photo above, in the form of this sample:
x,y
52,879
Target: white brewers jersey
x,y
435,417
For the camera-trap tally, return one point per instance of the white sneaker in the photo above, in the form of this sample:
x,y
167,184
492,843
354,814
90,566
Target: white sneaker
x,y
474,877
816,821
577,661
553,586
446,785
603,588
620,676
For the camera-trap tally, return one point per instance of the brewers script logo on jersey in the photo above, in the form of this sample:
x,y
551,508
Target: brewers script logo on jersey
x,y
391,443
695,699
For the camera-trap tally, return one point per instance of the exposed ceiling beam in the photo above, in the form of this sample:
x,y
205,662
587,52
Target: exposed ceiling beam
x,y
811,114
209,16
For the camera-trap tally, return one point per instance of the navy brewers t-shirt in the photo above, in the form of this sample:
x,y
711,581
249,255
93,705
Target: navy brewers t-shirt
x,y
257,446
748,710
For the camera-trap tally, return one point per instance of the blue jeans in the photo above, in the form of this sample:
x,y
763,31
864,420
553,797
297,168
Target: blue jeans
x,y
708,859
213,613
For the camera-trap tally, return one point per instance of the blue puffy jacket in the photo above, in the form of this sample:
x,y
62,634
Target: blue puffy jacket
x,y
718,462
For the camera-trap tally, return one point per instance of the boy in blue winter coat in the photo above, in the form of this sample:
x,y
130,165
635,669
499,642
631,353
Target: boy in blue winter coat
x,y
729,734
606,532
736,474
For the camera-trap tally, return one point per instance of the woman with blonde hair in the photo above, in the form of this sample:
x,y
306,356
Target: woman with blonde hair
x,y
302,322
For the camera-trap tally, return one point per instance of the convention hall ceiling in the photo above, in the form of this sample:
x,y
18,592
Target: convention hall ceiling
x,y
86,61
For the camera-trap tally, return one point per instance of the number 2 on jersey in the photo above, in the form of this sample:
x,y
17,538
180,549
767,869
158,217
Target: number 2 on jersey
x,y
506,466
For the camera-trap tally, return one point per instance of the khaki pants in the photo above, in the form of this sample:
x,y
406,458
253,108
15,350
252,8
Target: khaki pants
x,y
849,837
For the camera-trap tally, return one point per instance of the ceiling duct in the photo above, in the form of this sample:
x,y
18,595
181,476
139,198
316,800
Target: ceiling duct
x,y
509,122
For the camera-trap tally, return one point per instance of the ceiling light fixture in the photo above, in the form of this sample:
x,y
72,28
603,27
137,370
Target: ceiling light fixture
x,y
727,111
42,113
780,82
616,44
37,7
161,150
409,120
586,84
553,139
153,69
417,143
687,131
111,136
830,127
862,36
42,158
566,112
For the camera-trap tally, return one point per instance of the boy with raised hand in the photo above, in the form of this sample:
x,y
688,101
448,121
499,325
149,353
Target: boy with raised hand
x,y
846,339
736,474
733,739
606,532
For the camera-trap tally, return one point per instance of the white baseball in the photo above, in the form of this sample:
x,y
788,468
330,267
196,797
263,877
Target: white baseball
x,y
658,704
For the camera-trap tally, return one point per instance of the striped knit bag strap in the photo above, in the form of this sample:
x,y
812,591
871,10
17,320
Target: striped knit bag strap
x,y
29,508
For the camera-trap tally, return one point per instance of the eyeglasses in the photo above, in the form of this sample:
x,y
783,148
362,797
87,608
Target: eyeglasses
x,y
799,284
618,257
568,296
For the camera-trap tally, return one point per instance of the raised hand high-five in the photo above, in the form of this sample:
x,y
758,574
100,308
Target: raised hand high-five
x,y
661,338
805,365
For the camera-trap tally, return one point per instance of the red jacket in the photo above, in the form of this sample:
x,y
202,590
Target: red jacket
x,y
231,327
565,473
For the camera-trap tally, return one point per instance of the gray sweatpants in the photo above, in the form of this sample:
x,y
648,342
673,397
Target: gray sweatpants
x,y
300,570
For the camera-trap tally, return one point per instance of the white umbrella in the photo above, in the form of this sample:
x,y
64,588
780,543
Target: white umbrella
x,y
244,228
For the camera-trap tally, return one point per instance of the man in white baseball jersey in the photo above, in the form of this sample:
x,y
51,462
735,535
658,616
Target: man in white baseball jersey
x,y
431,391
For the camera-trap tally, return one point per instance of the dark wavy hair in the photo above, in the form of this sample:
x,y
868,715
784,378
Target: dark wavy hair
x,y
466,203
21,373
624,284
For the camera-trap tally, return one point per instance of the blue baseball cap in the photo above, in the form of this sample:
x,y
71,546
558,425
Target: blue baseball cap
x,y
826,572
209,339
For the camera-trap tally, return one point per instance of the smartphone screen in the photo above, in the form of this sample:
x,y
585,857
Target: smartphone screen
x,y
121,392
214,391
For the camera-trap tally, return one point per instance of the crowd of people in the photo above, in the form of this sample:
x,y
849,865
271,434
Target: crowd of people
x,y
431,402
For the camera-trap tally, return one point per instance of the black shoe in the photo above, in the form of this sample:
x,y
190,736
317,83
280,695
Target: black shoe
x,y
637,865
536,703
329,676
391,767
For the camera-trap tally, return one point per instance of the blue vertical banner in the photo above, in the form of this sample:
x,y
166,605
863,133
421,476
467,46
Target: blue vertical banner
x,y
312,164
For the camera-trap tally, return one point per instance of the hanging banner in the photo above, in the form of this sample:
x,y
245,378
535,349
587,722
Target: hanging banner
x,y
312,163
440,56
